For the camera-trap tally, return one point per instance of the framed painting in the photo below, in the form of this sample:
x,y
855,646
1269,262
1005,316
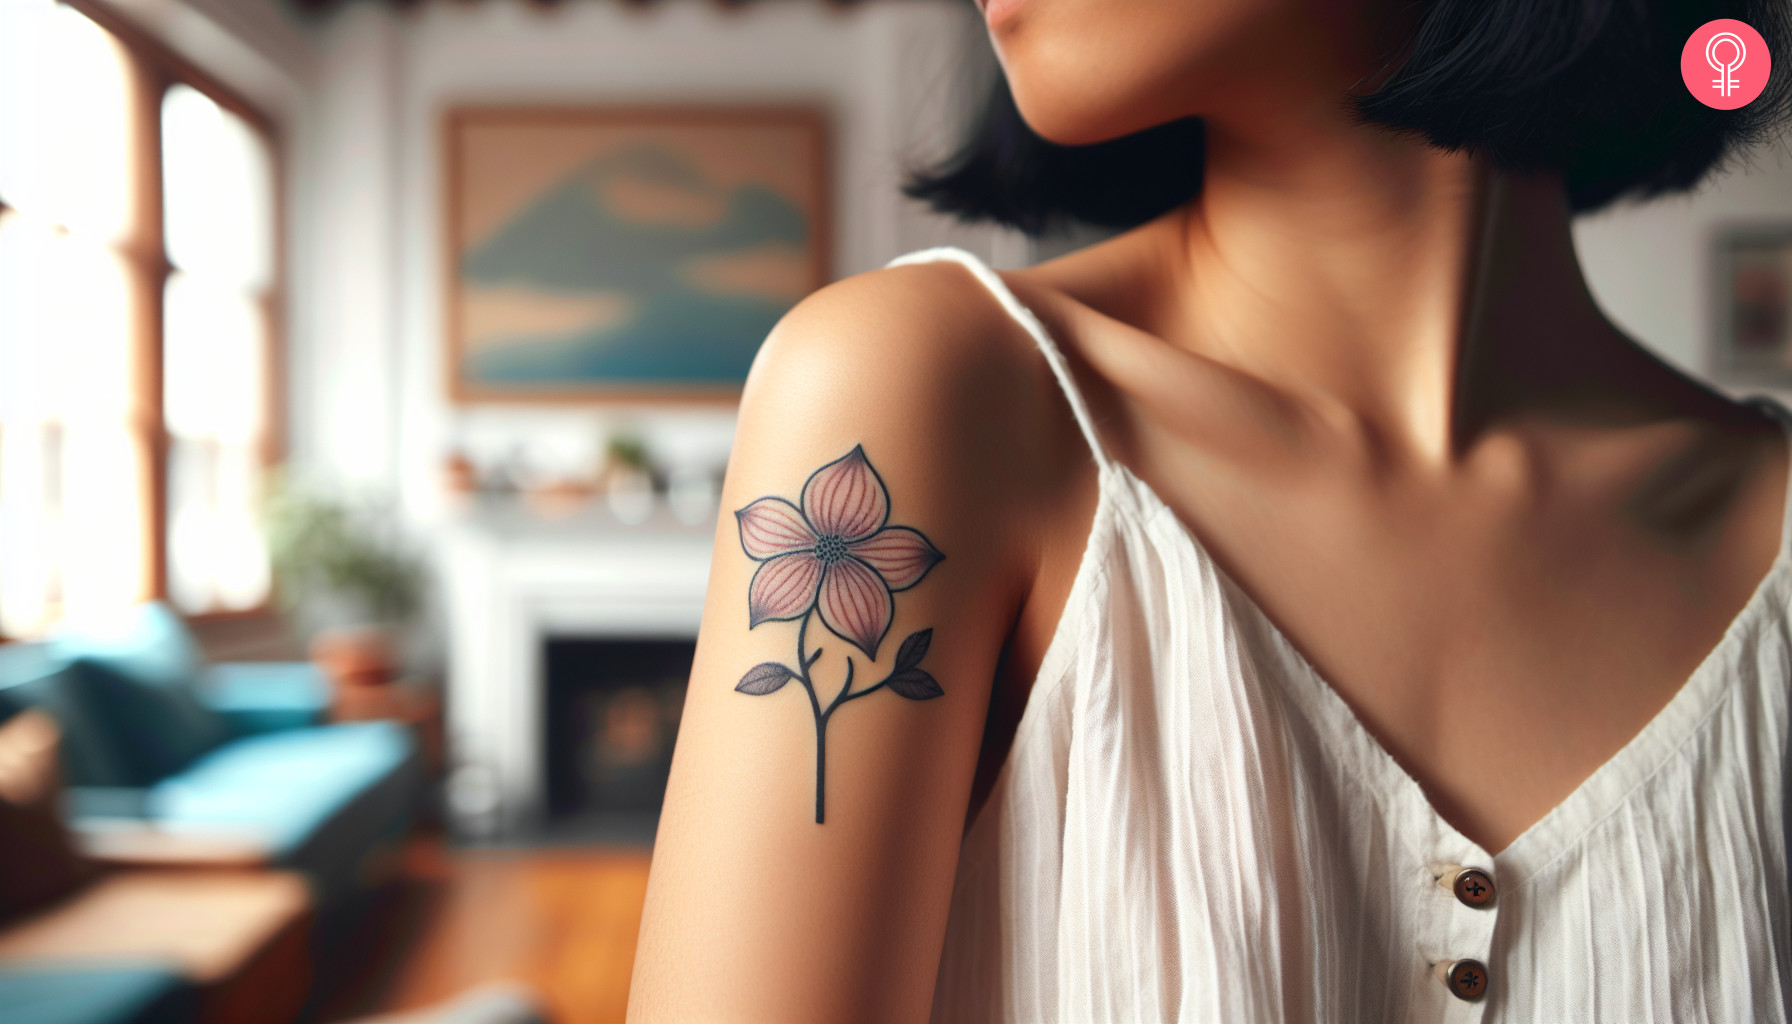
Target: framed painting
x,y
1752,299
599,253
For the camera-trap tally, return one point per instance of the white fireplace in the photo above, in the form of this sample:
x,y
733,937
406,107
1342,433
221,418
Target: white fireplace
x,y
512,581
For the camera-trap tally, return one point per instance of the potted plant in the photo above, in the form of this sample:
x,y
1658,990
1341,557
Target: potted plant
x,y
345,561
628,478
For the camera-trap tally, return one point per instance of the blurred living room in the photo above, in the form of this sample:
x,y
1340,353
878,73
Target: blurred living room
x,y
367,374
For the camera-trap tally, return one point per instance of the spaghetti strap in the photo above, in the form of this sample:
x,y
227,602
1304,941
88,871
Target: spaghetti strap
x,y
1028,322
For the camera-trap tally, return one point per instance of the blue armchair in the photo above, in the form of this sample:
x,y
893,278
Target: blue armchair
x,y
157,743
114,993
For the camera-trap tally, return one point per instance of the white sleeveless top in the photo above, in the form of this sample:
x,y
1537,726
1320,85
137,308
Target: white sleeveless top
x,y
1191,825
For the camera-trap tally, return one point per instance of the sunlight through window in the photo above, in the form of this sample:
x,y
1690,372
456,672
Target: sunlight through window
x,y
217,187
217,192
89,519
73,454
65,125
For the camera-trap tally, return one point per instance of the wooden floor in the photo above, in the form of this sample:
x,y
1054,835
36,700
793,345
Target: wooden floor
x,y
562,922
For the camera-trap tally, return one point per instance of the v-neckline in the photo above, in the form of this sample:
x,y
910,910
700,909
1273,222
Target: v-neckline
x,y
1428,835
1601,793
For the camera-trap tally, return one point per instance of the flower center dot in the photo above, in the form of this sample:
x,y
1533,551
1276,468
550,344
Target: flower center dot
x,y
830,548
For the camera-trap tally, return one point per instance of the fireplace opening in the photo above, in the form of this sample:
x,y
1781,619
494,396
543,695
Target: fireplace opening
x,y
611,718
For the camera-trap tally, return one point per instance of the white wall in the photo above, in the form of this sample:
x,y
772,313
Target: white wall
x,y
343,315
251,45
360,97
369,401
1648,264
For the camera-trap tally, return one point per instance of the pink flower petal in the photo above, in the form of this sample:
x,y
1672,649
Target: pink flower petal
x,y
783,588
856,605
900,555
771,527
846,498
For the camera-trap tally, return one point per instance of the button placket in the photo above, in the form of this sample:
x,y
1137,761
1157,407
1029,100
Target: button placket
x,y
1466,978
1472,887
1462,907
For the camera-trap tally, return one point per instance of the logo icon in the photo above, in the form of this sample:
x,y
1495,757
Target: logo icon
x,y
1725,64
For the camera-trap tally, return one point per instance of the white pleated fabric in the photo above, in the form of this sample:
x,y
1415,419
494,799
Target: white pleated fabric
x,y
1192,826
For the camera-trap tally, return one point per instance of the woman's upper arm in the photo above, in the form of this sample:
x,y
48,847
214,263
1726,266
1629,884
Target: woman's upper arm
x,y
861,589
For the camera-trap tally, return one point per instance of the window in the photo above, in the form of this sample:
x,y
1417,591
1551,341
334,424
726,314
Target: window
x,y
137,276
218,228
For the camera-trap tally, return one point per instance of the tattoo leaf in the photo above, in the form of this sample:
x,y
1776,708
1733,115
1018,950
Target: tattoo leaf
x,y
914,649
915,684
766,677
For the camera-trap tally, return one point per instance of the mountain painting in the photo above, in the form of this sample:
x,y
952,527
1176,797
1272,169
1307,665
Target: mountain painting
x,y
626,253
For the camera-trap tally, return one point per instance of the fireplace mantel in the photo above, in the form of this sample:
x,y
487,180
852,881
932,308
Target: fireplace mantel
x,y
513,580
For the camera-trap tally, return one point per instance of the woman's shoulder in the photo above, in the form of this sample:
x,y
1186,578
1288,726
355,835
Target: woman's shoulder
x,y
932,318
926,346
921,365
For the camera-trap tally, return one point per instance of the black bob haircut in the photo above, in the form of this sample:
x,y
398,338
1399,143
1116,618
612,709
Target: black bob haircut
x,y
1587,88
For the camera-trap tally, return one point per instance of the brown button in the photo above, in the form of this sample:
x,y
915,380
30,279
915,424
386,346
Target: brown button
x,y
1466,979
1472,886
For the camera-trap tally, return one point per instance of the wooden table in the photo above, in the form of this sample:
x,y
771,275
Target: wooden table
x,y
241,936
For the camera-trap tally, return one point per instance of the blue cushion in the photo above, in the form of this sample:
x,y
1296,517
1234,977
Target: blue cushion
x,y
320,798
257,697
28,678
133,676
91,802
147,642
86,993
24,661
90,751
9,706
140,733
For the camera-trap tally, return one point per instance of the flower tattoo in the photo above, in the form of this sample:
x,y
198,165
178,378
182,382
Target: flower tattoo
x,y
835,555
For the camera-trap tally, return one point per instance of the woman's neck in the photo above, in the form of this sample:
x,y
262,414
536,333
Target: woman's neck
x,y
1391,288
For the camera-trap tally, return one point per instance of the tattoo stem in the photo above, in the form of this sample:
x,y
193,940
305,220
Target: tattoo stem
x,y
821,741
804,663
821,767
873,688
844,688
805,660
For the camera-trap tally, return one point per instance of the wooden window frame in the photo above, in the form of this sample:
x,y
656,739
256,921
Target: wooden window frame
x,y
153,69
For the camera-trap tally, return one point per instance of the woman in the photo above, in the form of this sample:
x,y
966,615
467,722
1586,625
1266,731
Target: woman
x,y
1304,605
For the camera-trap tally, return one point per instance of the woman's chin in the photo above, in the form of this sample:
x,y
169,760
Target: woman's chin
x,y
1071,117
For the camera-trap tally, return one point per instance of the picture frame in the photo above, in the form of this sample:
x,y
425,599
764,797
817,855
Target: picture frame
x,y
626,253
1751,292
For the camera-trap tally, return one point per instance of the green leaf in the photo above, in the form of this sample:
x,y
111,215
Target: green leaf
x,y
766,677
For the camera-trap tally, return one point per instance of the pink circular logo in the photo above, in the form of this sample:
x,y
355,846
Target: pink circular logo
x,y
1725,64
